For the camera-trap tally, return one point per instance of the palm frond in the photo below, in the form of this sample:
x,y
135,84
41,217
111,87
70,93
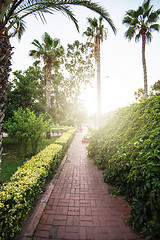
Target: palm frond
x,y
4,6
137,37
131,13
34,54
55,42
41,16
47,39
36,63
23,8
18,26
130,33
94,7
100,20
41,6
89,32
127,20
153,17
146,5
135,22
138,12
155,27
22,28
93,22
66,10
148,36
37,44
147,12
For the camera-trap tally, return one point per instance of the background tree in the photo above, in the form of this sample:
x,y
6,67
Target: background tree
x,y
80,68
60,105
156,89
141,23
97,31
50,50
67,85
12,14
26,91
139,95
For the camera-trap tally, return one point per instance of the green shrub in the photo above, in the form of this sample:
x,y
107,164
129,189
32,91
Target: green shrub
x,y
25,126
17,196
127,148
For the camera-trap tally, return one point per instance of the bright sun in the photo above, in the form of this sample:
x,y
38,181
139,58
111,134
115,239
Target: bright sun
x,y
113,95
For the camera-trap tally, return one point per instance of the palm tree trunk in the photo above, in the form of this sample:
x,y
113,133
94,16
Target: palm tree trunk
x,y
48,88
98,83
5,63
144,66
48,83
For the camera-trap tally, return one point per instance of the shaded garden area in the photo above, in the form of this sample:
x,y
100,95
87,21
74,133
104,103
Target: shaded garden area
x,y
11,158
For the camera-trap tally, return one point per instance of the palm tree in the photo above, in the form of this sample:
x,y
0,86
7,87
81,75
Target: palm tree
x,y
97,31
49,51
12,15
141,23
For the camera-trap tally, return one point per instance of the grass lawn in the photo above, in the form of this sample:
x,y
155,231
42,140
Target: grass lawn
x,y
11,159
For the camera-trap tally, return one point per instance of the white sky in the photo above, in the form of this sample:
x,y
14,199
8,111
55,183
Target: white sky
x,y
120,59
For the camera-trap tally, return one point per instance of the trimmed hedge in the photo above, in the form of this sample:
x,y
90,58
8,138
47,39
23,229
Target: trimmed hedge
x,y
60,129
17,196
66,137
65,140
127,148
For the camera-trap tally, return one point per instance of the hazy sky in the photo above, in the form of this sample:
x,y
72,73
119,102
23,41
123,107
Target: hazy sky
x,y
121,61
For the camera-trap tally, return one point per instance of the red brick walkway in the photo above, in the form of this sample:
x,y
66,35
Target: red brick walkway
x,y
80,207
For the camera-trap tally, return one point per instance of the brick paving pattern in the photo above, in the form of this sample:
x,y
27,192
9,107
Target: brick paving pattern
x,y
80,207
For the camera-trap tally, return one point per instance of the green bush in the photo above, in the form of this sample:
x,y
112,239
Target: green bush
x,y
127,148
17,196
25,126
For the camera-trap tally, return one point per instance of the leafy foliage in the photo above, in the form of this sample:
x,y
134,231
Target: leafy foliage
x,y
25,126
26,91
79,64
127,148
156,88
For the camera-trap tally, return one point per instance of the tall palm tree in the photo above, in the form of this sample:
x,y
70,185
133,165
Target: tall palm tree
x,y
97,31
50,50
12,15
141,23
